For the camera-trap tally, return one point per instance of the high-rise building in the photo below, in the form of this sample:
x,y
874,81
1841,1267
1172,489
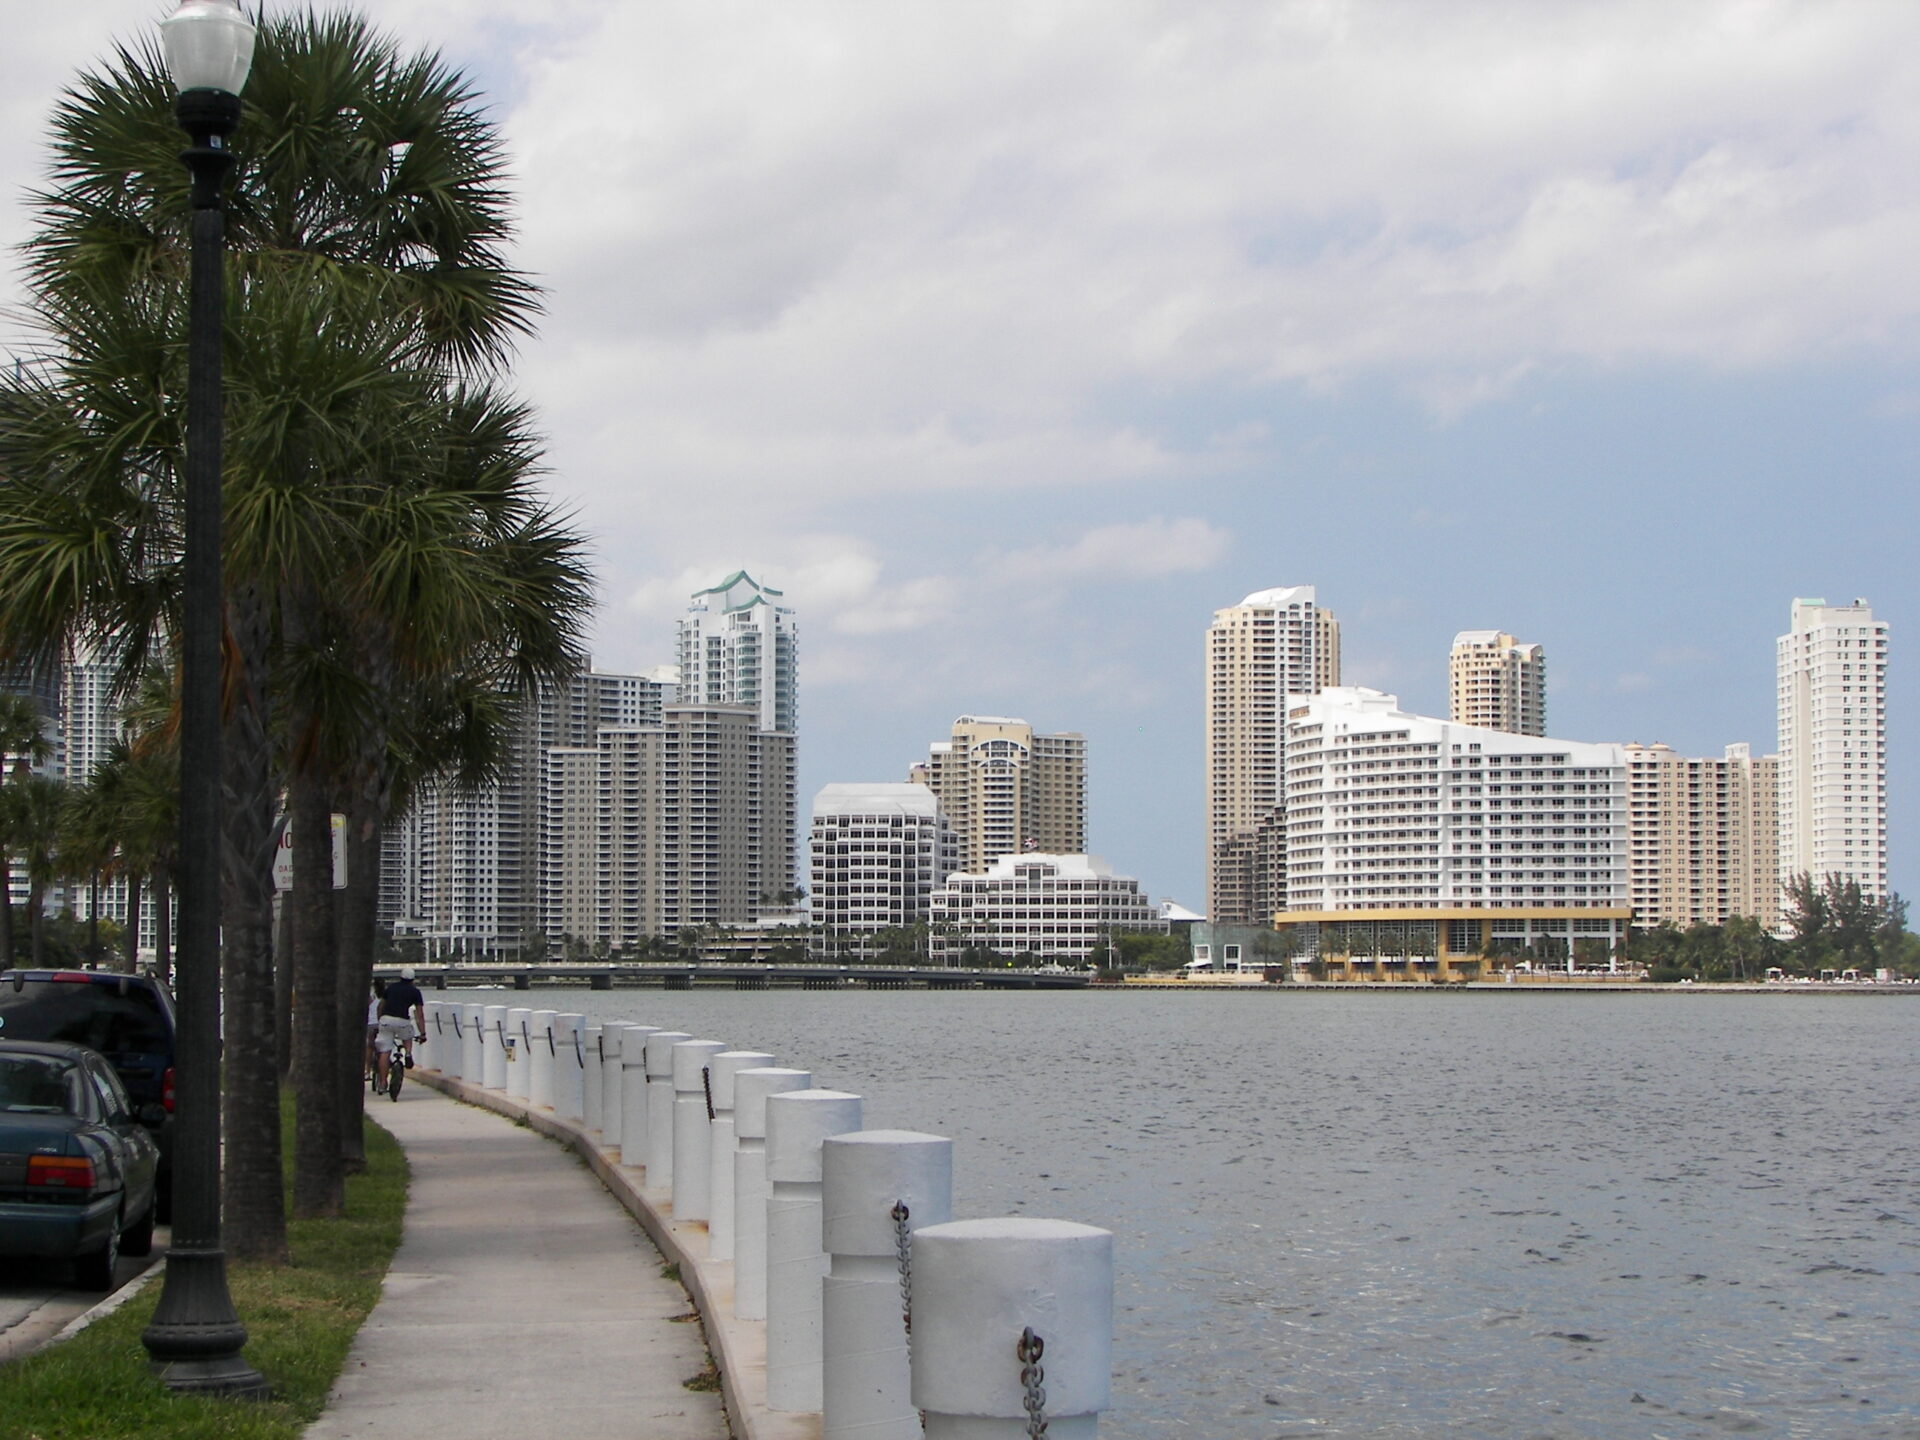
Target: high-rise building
x,y
1007,790
1497,683
468,871
1064,908
879,851
1273,645
1702,837
1416,841
739,646
662,828
1831,669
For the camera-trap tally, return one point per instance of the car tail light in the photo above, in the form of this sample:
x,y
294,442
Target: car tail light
x,y
166,1090
60,1172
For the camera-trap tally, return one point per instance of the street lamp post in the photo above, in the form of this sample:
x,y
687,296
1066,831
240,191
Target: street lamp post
x,y
195,1339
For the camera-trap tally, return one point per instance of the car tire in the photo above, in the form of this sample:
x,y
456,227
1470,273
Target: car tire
x,y
137,1239
95,1271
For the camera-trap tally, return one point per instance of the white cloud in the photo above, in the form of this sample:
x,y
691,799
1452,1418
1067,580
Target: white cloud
x,y
1115,554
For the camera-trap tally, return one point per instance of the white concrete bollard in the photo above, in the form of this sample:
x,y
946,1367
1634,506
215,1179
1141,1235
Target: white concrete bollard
x,y
436,1047
633,1094
611,1034
722,1068
473,1050
456,1038
751,1090
545,1048
692,1128
660,1107
797,1124
591,1039
978,1285
570,1067
519,1059
493,1068
866,1383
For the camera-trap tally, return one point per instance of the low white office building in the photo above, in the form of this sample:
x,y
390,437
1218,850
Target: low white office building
x,y
1061,908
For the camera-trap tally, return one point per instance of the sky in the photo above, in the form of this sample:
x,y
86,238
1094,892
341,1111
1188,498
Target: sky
x,y
1011,340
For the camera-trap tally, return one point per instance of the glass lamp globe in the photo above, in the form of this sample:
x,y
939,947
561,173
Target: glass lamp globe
x,y
209,46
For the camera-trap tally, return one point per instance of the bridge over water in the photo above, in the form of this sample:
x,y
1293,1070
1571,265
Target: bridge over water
x,y
605,975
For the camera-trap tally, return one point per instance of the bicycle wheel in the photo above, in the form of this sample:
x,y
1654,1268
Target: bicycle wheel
x,y
396,1072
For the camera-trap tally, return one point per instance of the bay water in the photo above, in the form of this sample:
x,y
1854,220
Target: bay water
x,y
1478,1216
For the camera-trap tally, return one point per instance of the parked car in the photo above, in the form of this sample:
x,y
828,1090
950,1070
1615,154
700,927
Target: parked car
x,y
77,1167
126,1018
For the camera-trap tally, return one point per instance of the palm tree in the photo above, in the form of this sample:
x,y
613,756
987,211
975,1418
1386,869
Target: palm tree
x,y
32,818
366,222
23,736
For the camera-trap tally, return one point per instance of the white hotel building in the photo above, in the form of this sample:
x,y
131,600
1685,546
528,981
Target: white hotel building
x,y
1832,677
1413,840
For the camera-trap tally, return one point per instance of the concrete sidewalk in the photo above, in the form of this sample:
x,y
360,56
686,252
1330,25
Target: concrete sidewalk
x,y
523,1300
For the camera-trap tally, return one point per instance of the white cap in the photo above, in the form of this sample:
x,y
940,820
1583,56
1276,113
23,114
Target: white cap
x,y
406,972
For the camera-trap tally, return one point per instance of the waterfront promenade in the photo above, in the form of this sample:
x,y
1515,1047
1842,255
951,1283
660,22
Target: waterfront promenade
x,y
523,1300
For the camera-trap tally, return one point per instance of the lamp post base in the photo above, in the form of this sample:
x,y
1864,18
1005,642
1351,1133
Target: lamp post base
x,y
195,1337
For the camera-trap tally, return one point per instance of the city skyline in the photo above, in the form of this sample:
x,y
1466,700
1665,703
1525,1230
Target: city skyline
x,y
1566,320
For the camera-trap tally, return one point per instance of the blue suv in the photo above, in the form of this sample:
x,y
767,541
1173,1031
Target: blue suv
x,y
127,1018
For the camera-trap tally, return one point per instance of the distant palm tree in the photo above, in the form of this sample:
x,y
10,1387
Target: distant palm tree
x,y
32,817
23,736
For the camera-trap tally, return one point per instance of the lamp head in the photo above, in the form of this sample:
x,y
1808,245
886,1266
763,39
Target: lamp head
x,y
209,46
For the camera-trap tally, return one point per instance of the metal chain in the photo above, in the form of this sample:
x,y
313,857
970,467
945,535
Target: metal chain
x,y
579,1056
1033,1381
706,1084
903,1251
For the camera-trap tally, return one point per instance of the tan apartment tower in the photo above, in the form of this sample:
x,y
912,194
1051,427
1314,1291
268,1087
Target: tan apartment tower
x,y
1832,680
1007,790
1496,683
1272,645
1702,837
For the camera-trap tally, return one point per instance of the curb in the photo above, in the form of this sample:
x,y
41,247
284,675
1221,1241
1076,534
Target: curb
x,y
106,1307
738,1347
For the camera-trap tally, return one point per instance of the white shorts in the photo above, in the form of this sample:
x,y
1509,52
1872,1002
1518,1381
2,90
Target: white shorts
x,y
393,1030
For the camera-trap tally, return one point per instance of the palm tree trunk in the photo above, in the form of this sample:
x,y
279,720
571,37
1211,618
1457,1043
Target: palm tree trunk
x,y
359,903
319,1180
254,1192
37,923
163,926
283,989
6,911
132,938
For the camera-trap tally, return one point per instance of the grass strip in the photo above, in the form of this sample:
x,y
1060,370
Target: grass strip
x,y
300,1318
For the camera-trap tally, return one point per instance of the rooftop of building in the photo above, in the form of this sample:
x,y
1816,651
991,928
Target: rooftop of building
x,y
1065,867
739,591
1365,705
1281,595
875,798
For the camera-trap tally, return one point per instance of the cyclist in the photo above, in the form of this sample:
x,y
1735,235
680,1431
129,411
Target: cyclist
x,y
403,1015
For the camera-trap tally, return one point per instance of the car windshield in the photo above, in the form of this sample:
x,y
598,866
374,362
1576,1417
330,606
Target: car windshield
x,y
82,1013
37,1085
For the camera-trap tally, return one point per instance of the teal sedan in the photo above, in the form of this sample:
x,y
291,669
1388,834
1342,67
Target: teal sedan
x,y
76,1165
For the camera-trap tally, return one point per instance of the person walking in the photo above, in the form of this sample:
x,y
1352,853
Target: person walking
x,y
403,1016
